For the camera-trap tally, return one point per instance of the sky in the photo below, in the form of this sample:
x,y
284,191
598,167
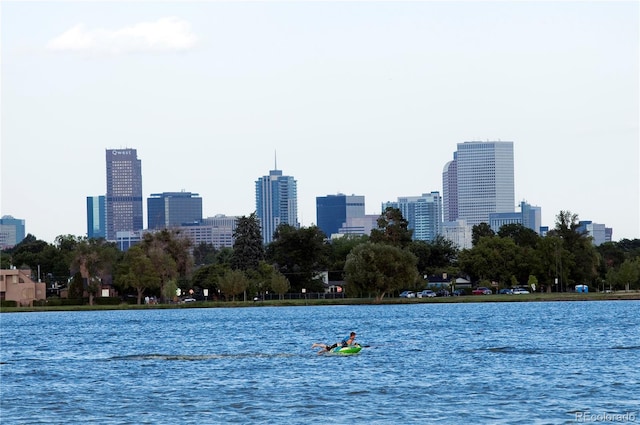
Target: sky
x,y
364,98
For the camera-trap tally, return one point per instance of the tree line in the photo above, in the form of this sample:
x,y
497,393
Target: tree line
x,y
387,261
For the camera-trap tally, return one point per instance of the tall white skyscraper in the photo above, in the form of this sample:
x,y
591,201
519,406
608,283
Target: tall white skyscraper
x,y
483,183
276,203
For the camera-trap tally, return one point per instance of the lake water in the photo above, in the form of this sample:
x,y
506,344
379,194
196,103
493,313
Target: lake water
x,y
493,363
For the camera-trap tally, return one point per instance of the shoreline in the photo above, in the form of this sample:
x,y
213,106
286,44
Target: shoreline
x,y
535,297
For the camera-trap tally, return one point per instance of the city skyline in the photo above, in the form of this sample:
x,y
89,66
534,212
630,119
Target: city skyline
x,y
366,98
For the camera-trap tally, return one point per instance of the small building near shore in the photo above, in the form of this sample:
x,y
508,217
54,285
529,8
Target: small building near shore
x,y
17,285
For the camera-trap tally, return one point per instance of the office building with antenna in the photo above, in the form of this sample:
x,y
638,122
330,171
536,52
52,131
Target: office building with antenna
x,y
276,202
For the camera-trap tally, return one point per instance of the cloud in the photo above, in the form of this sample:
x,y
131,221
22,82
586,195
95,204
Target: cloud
x,y
164,35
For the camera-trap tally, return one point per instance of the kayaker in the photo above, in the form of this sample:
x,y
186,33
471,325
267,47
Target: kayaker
x,y
347,341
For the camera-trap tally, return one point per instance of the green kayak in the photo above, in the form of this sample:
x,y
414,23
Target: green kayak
x,y
346,351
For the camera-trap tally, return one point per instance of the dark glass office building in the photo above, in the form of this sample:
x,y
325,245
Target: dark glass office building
x,y
332,211
173,209
124,192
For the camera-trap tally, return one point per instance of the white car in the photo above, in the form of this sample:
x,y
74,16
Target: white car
x,y
427,293
408,294
518,291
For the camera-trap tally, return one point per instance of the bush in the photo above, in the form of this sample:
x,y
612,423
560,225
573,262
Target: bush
x,y
8,303
107,301
72,301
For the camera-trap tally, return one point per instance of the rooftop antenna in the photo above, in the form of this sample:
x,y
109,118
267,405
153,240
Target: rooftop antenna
x,y
275,159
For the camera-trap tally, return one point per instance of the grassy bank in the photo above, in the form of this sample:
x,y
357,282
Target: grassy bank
x,y
537,297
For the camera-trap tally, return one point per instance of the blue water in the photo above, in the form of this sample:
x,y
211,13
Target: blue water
x,y
494,363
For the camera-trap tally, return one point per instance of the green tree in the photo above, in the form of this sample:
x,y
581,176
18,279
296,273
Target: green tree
x,y
163,263
582,263
248,249
299,254
168,250
232,283
138,272
393,229
522,236
436,257
422,251
279,284
631,247
380,269
260,278
223,256
204,253
613,254
339,248
5,259
35,254
94,260
492,259
76,287
627,275
208,276
479,231
169,290
553,258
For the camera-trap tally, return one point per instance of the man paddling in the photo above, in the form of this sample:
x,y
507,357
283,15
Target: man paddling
x,y
347,341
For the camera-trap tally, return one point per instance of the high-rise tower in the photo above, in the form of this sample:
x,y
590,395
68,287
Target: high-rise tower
x,y
172,209
450,190
333,211
124,192
276,203
12,231
96,217
423,214
483,183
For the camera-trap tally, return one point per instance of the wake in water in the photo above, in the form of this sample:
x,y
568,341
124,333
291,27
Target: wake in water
x,y
195,357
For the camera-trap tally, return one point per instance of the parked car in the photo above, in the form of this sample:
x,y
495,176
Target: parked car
x,y
459,293
482,291
427,293
518,291
189,300
506,291
443,293
407,294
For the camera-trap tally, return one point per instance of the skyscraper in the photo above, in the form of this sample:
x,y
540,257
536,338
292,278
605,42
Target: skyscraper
x,y
423,214
450,190
12,231
96,217
483,183
276,203
172,209
333,211
124,191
